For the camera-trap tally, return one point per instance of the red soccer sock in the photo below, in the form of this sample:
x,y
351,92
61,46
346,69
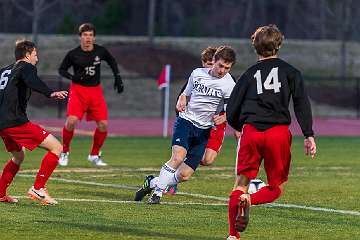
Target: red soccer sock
x,y
7,176
67,136
98,141
48,165
266,194
234,200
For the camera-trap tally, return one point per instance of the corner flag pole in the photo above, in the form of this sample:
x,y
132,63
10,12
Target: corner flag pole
x,y
167,100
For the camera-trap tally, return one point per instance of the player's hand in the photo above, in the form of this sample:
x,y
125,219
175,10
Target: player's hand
x,y
219,119
118,84
310,146
237,135
59,95
181,103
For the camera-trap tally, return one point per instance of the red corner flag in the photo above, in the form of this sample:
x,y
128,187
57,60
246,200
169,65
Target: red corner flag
x,y
162,81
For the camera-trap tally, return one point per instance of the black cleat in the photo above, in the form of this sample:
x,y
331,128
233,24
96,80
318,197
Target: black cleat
x,y
154,199
242,218
145,189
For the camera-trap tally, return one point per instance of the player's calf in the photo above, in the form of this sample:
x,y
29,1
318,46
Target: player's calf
x,y
242,218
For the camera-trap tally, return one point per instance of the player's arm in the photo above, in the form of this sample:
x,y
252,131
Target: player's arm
x,y
185,95
31,79
181,91
233,106
302,109
110,60
64,67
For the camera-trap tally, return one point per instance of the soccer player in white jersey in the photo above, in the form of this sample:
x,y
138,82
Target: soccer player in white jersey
x,y
197,107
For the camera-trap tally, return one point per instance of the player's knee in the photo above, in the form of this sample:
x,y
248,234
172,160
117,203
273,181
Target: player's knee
x,y
71,123
102,126
208,160
56,148
18,157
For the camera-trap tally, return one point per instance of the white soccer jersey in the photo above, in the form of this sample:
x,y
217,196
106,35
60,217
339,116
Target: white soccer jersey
x,y
205,92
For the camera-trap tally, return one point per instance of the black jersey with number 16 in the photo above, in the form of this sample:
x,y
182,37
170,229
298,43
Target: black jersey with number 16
x,y
16,82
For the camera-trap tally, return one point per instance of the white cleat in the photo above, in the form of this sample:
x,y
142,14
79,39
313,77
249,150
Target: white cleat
x,y
41,195
232,238
97,160
64,159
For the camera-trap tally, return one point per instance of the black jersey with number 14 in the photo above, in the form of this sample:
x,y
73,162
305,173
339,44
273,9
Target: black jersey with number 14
x,y
262,94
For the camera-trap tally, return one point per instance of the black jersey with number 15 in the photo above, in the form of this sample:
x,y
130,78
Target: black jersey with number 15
x,y
86,65
262,94
16,83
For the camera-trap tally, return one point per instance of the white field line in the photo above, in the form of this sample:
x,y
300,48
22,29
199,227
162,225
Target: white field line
x,y
120,186
129,202
110,170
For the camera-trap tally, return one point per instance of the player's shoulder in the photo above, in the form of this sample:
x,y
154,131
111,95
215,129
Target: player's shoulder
x,y
8,67
200,72
74,50
26,67
98,47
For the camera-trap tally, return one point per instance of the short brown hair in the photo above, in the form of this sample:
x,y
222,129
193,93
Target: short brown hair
x,y
87,27
226,53
267,40
208,53
22,47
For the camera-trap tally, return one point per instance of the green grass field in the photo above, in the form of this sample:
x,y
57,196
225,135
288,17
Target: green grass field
x,y
96,203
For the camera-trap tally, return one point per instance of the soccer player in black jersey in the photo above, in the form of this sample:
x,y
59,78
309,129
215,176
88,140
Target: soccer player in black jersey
x,y
17,132
86,95
258,106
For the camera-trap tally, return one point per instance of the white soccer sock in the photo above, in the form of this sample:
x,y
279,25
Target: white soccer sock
x,y
166,177
153,182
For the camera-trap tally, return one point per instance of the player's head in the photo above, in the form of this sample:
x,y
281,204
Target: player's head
x,y
26,50
267,40
224,59
87,34
207,56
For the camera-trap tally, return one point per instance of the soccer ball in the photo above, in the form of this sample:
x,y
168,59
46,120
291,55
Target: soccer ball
x,y
255,185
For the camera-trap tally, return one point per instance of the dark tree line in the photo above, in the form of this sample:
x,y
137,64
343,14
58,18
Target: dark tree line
x,y
301,19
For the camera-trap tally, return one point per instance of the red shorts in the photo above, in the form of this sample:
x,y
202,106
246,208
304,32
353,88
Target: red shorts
x,y
89,100
216,137
28,135
273,145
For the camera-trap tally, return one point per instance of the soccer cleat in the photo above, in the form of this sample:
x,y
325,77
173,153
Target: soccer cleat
x,y
97,160
64,159
41,195
171,189
232,238
242,218
154,199
8,199
145,189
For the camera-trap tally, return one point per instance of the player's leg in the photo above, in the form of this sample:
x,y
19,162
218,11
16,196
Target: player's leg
x,y
209,157
100,135
75,111
10,169
183,130
48,165
247,165
168,174
67,136
98,112
277,159
214,144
